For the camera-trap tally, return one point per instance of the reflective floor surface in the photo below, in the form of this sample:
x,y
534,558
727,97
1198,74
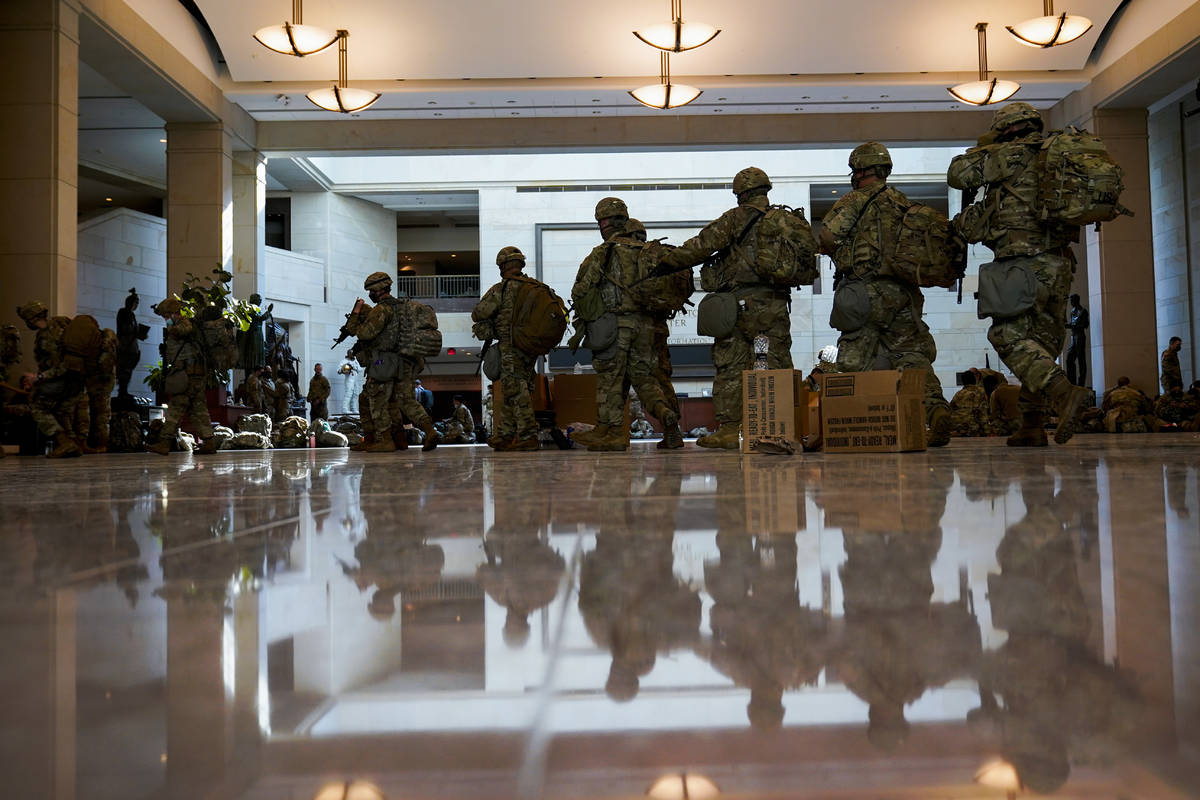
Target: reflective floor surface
x,y
965,623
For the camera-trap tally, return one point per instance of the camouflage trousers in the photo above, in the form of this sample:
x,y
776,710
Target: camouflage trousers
x,y
663,372
515,419
764,313
1030,344
631,361
406,392
55,403
94,410
395,413
389,403
191,402
895,337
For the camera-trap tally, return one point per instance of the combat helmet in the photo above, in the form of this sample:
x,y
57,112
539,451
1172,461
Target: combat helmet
x,y
635,229
167,307
1014,113
611,207
509,253
31,311
378,280
750,178
870,154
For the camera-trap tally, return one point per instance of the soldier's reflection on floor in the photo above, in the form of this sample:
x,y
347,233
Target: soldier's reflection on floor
x,y
1045,693
896,643
394,557
762,638
522,572
1176,479
632,602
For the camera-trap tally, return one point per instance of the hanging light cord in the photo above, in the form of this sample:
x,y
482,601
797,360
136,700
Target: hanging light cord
x,y
343,72
297,12
983,69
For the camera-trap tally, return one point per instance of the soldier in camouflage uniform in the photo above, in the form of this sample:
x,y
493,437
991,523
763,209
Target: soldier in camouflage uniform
x,y
1127,409
1178,408
1171,373
56,395
855,233
378,332
1007,221
183,352
515,427
969,408
631,360
95,405
318,394
763,309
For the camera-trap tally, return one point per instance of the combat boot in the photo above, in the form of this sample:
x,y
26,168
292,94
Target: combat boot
x,y
613,440
366,442
431,436
162,447
400,438
940,427
65,448
1032,432
672,438
381,446
527,445
1066,399
725,437
585,437
209,447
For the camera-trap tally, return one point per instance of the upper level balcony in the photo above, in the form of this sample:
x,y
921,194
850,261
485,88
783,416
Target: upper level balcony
x,y
445,293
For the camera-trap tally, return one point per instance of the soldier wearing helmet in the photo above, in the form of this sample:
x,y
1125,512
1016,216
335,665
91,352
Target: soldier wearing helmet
x,y
514,428
185,373
59,389
1029,248
621,335
762,307
888,332
390,389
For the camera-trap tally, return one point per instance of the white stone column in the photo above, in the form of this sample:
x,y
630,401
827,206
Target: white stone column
x,y
199,200
249,222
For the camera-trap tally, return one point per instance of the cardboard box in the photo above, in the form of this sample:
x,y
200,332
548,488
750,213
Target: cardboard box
x,y
573,399
873,412
775,403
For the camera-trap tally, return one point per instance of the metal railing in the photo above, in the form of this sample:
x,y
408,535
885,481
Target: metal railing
x,y
437,286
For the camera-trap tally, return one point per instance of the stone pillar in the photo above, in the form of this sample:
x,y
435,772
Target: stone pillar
x,y
1120,263
39,154
199,200
249,222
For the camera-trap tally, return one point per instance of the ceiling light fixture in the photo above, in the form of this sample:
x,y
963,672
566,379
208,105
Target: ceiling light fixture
x,y
342,98
676,36
1049,30
984,91
295,38
683,786
664,94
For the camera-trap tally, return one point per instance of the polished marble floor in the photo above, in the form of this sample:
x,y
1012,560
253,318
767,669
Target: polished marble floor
x,y
463,624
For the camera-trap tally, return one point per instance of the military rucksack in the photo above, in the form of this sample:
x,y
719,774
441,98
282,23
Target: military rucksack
x,y
419,334
219,337
125,433
660,294
927,251
106,361
1079,182
539,318
783,251
82,341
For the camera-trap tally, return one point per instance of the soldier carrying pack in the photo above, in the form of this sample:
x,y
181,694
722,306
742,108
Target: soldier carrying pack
x,y
783,251
539,317
419,334
1080,183
82,342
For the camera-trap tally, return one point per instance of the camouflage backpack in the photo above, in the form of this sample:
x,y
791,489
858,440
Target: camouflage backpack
x,y
419,334
220,342
539,318
106,362
82,341
125,433
1080,183
783,251
927,251
665,294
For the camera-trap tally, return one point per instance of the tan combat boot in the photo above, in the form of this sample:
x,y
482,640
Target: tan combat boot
x,y
1032,432
209,447
527,445
725,437
366,442
400,438
65,448
383,445
585,437
431,436
1067,399
162,447
940,427
613,440
672,437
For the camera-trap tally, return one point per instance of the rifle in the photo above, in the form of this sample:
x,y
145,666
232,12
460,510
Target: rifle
x,y
344,332
482,355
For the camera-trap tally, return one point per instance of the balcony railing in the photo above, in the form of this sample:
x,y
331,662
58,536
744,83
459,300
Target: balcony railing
x,y
449,293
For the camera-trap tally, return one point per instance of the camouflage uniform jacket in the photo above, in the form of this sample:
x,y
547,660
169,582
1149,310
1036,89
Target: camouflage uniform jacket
x,y
105,366
1176,407
612,266
496,307
1128,397
860,223
1007,219
380,331
1171,372
462,415
183,349
734,268
48,347
318,389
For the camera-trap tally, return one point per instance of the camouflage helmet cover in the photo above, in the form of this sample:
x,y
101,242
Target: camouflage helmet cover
x,y
31,311
377,280
611,207
750,178
1014,113
509,253
870,154
167,307
634,226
